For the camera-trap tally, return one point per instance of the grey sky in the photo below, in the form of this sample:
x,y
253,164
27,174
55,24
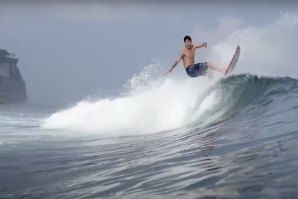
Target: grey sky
x,y
71,49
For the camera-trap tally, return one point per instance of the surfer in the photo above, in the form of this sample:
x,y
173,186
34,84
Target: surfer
x,y
188,56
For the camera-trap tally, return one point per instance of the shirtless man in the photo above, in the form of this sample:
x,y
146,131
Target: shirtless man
x,y
188,56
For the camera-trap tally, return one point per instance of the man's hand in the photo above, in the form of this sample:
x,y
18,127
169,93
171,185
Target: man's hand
x,y
168,72
205,44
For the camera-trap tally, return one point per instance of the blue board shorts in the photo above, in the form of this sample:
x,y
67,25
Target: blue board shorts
x,y
196,70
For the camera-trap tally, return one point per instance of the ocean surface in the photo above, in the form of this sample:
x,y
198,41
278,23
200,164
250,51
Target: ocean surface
x,y
236,137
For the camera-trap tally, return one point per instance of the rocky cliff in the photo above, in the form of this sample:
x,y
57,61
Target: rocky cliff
x,y
12,85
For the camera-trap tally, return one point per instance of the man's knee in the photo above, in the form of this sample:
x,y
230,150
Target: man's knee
x,y
209,64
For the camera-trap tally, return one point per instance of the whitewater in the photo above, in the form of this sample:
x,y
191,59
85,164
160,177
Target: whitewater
x,y
167,137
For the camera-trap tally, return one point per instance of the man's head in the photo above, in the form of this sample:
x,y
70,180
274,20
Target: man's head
x,y
187,41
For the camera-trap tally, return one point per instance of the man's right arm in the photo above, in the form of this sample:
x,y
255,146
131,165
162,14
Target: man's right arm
x,y
181,55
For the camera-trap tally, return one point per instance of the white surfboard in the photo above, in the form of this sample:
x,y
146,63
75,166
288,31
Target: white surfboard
x,y
233,61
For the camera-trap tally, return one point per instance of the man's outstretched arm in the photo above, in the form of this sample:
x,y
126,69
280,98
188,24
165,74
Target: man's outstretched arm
x,y
201,45
181,55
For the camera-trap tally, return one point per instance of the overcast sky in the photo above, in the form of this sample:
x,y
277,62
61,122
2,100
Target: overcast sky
x,y
68,50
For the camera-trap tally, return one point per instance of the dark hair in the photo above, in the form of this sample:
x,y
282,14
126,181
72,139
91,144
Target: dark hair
x,y
187,38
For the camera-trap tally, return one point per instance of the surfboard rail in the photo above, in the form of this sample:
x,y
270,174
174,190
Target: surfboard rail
x,y
233,61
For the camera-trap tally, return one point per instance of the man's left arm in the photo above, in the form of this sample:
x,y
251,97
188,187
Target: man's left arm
x,y
201,45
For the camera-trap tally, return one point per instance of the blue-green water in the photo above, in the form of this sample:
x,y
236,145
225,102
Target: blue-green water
x,y
244,147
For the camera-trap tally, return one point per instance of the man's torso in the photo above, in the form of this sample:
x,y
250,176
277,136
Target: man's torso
x,y
189,56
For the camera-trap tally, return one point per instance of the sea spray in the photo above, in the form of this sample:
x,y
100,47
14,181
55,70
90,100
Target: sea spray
x,y
150,105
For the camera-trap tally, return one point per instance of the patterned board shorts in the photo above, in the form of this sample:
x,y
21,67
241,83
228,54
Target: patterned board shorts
x,y
196,70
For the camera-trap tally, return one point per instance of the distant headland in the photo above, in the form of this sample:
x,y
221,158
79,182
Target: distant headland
x,y
12,85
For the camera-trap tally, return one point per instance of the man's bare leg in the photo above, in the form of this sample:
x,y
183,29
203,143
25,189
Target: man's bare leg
x,y
216,68
210,74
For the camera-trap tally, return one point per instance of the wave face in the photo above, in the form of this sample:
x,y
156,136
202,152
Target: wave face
x,y
243,96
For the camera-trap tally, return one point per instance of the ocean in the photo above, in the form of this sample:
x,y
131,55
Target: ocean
x,y
235,137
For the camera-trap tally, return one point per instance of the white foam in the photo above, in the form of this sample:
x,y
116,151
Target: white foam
x,y
150,106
